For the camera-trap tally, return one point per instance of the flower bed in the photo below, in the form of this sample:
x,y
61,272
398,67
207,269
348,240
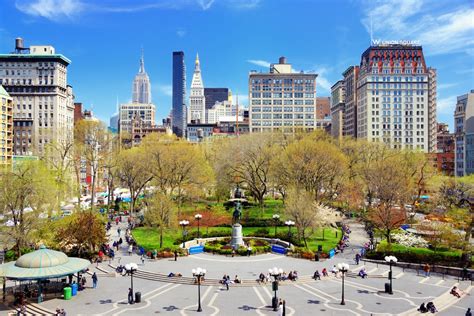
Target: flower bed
x,y
223,247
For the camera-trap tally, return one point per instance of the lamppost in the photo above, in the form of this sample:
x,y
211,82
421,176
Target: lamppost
x,y
199,274
391,261
276,218
131,268
289,224
198,218
276,273
183,224
343,268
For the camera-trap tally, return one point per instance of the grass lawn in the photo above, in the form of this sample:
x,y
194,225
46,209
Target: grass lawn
x,y
148,237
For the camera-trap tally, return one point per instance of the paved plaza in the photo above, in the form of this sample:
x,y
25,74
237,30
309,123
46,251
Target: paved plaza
x,y
303,297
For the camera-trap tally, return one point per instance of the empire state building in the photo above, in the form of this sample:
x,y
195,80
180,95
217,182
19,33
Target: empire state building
x,y
141,85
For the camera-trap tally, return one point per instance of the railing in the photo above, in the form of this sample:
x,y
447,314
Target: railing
x,y
440,270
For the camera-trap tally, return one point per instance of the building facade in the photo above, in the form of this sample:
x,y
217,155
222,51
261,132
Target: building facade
x,y
224,111
178,111
141,85
395,101
464,134
197,100
443,158
323,108
6,127
351,75
337,109
213,95
43,109
282,100
130,111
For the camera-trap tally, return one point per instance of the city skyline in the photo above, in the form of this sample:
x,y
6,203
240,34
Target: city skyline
x,y
102,70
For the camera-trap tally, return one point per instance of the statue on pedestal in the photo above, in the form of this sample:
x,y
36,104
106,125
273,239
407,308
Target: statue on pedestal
x,y
237,214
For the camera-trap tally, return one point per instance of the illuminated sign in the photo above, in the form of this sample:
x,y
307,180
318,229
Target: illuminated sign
x,y
378,42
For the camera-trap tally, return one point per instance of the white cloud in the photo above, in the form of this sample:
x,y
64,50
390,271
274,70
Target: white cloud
x,y
181,32
322,83
166,89
258,62
446,105
439,32
243,4
51,9
446,86
205,4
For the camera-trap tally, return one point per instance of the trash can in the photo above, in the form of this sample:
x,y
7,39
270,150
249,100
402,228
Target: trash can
x,y
387,288
67,292
316,257
138,297
74,289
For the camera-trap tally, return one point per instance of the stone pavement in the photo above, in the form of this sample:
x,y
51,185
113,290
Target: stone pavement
x,y
363,296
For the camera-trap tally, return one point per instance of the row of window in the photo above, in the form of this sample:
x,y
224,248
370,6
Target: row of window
x,y
269,95
285,102
285,81
283,123
268,116
280,109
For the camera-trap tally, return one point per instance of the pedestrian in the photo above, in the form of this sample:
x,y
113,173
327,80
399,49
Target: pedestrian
x,y
175,255
143,259
226,282
427,269
130,250
280,308
357,258
464,273
249,251
284,307
316,275
119,231
468,312
130,296
94,280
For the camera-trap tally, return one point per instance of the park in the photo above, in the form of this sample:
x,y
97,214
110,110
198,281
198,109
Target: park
x,y
263,225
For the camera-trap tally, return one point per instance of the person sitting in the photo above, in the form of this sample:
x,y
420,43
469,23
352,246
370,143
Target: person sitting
x,y
431,307
325,272
290,276
316,275
172,274
422,308
455,291
362,273
334,271
237,280
295,275
261,278
283,276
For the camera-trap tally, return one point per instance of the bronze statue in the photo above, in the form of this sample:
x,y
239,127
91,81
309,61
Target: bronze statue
x,y
237,214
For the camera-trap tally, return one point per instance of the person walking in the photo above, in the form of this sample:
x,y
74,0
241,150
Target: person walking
x,y
130,296
280,308
249,251
130,250
357,258
119,231
464,273
427,270
284,307
175,255
226,282
94,280
468,312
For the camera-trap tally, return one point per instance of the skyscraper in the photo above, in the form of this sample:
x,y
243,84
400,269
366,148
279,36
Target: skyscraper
x,y
178,113
396,100
43,109
464,133
351,75
197,100
282,100
213,95
141,85
337,108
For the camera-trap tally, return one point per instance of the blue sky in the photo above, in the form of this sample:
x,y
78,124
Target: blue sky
x,y
103,38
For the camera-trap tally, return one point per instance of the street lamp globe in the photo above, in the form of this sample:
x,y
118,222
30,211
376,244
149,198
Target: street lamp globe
x,y
199,273
289,223
198,216
184,223
391,259
343,267
276,216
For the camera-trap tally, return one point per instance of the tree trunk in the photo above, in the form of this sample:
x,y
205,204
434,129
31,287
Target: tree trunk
x,y
389,238
323,232
161,236
304,238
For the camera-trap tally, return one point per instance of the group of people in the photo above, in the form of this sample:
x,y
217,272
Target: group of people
x,y
344,242
429,307
60,312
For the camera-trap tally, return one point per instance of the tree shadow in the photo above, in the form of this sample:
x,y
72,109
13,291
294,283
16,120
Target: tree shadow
x,y
108,301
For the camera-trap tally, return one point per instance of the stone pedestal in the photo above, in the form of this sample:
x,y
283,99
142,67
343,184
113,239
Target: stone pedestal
x,y
236,239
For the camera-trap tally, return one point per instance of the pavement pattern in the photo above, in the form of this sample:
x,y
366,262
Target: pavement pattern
x,y
304,297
